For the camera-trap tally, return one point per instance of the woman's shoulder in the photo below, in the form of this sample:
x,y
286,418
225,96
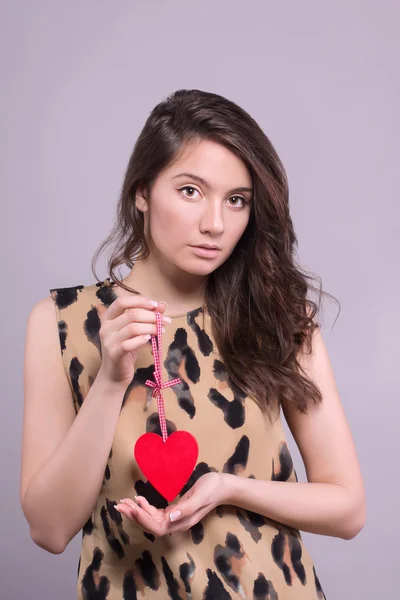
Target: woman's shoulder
x,y
67,296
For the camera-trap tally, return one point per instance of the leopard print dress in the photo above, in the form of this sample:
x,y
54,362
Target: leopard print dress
x,y
231,553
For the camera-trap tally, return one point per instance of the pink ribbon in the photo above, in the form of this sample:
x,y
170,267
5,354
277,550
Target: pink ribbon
x,y
158,385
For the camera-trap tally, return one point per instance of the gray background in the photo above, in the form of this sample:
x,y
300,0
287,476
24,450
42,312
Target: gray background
x,y
78,80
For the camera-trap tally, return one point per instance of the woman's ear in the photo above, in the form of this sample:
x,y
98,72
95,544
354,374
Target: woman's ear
x,y
141,201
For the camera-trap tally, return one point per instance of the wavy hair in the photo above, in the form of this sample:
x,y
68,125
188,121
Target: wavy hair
x,y
258,299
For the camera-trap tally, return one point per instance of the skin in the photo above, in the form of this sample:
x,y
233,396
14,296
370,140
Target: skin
x,y
332,501
176,218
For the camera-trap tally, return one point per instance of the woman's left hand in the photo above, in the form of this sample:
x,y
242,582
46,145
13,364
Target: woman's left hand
x,y
205,495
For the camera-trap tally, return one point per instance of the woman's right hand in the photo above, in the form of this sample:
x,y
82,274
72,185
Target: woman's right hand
x,y
124,327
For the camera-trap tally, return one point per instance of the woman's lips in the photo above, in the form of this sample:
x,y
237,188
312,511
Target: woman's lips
x,y
206,252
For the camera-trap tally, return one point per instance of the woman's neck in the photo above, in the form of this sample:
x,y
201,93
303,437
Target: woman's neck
x,y
182,292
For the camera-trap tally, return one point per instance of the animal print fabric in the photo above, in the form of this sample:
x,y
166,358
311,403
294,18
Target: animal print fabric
x,y
231,553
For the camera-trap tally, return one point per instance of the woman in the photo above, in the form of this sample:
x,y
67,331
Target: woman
x,y
239,342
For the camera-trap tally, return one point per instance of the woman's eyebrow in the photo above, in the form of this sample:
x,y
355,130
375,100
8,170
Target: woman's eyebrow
x,y
207,184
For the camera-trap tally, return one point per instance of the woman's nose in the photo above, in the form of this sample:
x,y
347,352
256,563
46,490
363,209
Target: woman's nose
x,y
212,219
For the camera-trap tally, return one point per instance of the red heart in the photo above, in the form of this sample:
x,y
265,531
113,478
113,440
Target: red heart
x,y
168,465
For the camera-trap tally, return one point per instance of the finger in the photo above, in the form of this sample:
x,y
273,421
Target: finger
x,y
162,307
131,514
183,508
186,523
125,510
154,524
122,303
139,315
142,503
140,520
149,508
140,513
132,327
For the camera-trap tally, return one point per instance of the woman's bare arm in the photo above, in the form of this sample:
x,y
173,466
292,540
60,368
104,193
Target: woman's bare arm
x,y
64,455
333,500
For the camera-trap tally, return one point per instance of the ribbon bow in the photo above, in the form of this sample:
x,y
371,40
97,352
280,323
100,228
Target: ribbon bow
x,y
159,385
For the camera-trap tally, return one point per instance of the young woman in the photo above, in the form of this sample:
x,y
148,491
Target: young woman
x,y
238,342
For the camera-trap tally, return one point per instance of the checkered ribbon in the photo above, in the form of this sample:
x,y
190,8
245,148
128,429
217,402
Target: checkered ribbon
x,y
158,386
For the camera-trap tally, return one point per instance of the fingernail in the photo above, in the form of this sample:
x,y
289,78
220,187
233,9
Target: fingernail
x,y
175,515
162,302
153,303
122,501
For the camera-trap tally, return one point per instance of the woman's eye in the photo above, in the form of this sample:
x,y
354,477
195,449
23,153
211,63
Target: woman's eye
x,y
239,198
188,187
193,189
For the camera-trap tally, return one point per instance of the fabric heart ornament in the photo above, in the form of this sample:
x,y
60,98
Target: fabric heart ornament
x,y
167,465
166,461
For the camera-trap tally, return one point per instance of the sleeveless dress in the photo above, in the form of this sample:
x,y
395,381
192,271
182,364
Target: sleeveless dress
x,y
231,553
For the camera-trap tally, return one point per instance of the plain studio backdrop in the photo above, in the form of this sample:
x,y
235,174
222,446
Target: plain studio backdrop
x,y
78,80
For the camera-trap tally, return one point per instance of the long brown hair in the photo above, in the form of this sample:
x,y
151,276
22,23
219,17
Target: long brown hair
x,y
258,299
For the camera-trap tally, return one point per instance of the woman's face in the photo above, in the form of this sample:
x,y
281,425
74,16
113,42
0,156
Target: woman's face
x,y
183,211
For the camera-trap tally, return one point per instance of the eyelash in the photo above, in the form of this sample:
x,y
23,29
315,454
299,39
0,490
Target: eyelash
x,y
193,188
